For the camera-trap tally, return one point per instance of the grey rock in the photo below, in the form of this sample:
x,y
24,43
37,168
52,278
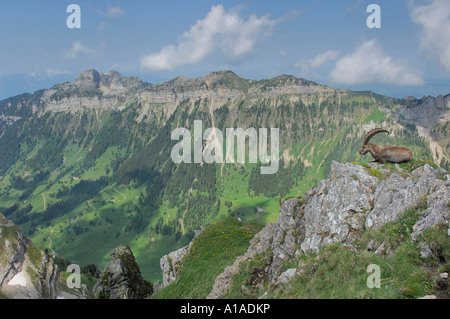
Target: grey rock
x,y
437,212
384,249
427,111
425,251
23,276
246,291
284,277
346,204
122,278
172,263
259,244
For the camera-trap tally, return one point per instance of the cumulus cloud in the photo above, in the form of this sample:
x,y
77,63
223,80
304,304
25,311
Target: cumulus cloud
x,y
306,66
77,49
324,58
80,50
220,29
435,21
370,64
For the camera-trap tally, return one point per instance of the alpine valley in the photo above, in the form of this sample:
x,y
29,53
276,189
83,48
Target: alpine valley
x,y
86,166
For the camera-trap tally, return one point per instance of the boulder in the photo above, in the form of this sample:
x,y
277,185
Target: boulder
x,y
122,278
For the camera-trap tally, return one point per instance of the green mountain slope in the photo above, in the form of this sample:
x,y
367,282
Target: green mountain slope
x,y
86,166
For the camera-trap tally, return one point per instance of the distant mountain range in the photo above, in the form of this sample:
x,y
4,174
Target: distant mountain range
x,y
11,85
86,165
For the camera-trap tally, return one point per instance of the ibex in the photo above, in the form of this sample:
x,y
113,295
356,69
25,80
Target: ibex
x,y
391,154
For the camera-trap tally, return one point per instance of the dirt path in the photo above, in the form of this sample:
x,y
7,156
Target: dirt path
x,y
90,204
79,150
124,197
43,196
181,221
97,215
50,239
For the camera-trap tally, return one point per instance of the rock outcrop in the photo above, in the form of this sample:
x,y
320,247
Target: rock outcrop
x,y
427,111
172,263
352,200
25,271
122,278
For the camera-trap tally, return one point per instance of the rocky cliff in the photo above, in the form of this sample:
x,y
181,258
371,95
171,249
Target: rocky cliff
x,y
25,271
355,199
352,202
112,91
171,264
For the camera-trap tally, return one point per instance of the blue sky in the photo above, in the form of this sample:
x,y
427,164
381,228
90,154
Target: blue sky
x,y
327,41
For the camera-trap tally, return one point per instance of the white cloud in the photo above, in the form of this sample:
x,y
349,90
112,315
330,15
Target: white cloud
x,y
370,64
223,30
324,58
103,26
306,66
112,12
435,21
78,49
52,72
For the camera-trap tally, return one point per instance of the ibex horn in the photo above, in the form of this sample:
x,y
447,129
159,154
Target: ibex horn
x,y
371,133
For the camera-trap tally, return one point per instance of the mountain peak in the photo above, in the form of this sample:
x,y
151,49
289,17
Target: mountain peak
x,y
93,78
222,74
88,78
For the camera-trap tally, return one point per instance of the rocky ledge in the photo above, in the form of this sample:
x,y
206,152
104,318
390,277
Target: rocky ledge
x,y
352,200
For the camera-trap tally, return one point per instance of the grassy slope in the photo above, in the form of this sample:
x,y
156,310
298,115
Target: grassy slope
x,y
214,249
337,272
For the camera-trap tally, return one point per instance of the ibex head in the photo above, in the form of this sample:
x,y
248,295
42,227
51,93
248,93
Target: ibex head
x,y
365,148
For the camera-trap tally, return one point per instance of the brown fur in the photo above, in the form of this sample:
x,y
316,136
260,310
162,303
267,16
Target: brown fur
x,y
387,154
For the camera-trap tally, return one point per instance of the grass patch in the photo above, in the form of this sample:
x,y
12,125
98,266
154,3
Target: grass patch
x,y
251,275
336,272
213,250
375,172
438,241
393,233
412,165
